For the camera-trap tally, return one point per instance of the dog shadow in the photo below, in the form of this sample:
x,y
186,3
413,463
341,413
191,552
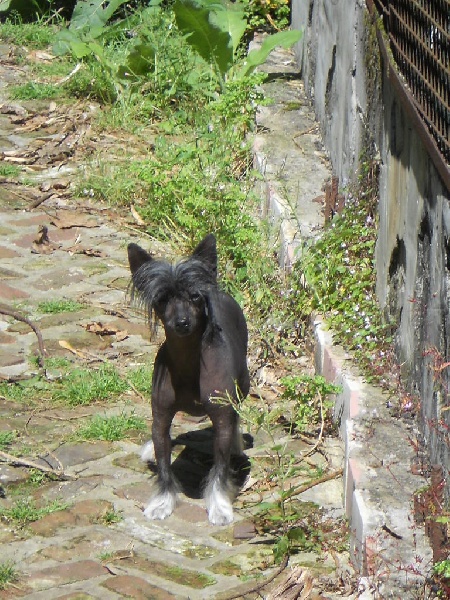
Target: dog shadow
x,y
192,465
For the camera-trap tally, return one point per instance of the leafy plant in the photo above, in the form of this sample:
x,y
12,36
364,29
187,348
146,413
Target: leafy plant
x,y
442,568
267,15
87,25
216,31
294,525
341,284
310,396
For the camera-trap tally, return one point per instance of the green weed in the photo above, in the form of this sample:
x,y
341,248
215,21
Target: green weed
x,y
141,379
7,170
8,574
302,408
111,429
34,91
38,35
59,306
25,511
309,400
6,439
341,284
442,568
110,517
84,386
29,390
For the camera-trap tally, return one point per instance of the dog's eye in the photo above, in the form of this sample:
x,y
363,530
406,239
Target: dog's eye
x,y
196,297
160,301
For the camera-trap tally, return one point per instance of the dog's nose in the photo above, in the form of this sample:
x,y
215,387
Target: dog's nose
x,y
182,325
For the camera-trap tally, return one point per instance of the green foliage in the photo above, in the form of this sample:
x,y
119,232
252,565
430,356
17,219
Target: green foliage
x,y
6,439
112,428
141,379
59,306
25,391
339,269
37,35
207,33
110,517
267,15
8,574
7,170
295,525
87,25
25,511
310,399
84,386
34,91
216,30
442,568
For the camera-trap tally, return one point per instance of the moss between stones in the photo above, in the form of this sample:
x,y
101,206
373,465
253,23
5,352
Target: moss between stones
x,y
175,573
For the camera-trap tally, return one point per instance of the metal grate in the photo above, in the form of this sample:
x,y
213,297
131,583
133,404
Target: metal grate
x,y
419,39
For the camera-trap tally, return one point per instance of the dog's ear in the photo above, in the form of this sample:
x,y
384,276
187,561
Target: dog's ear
x,y
137,256
206,251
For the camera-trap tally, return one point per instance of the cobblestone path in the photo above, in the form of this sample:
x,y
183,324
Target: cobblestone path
x,y
98,544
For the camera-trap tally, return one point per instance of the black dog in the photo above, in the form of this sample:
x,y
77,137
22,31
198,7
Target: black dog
x,y
198,369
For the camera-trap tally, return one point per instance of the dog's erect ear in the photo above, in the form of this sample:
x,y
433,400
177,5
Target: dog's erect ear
x,y
137,256
206,252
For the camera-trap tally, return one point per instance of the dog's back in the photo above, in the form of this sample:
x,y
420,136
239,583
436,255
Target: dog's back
x,y
233,333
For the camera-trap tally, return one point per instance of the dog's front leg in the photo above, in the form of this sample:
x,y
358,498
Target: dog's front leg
x,y
163,502
219,490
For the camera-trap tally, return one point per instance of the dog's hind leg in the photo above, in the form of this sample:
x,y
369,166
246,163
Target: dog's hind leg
x,y
163,503
220,491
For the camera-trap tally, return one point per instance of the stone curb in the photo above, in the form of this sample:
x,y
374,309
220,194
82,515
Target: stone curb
x,y
390,553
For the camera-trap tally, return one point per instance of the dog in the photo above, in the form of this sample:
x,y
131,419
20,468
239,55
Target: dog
x,y
200,369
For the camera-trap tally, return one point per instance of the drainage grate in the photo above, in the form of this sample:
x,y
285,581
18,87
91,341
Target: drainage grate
x,y
419,39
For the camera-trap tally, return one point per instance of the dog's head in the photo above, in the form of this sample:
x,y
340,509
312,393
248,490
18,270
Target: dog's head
x,y
179,295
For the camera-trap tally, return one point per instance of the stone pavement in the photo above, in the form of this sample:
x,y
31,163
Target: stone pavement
x,y
81,552
99,545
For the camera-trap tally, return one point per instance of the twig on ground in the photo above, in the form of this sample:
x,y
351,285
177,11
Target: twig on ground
x,y
322,427
310,484
24,462
5,310
258,587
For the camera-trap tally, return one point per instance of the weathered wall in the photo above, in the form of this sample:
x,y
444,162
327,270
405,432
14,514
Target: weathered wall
x,y
361,116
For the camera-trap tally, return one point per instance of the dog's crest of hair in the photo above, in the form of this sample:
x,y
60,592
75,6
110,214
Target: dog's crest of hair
x,y
156,279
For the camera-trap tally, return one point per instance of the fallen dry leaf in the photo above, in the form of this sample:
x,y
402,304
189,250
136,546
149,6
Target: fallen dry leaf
x,y
40,56
136,216
70,348
100,328
77,249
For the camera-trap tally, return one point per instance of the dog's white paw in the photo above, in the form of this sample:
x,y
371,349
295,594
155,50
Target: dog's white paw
x,y
161,506
219,507
148,452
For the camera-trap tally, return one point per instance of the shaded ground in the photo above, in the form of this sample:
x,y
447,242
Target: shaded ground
x,y
98,544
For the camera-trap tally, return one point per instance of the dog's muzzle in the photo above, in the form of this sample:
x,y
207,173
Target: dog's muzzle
x,y
182,326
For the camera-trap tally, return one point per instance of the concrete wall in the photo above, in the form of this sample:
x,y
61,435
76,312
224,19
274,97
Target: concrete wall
x,y
361,117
